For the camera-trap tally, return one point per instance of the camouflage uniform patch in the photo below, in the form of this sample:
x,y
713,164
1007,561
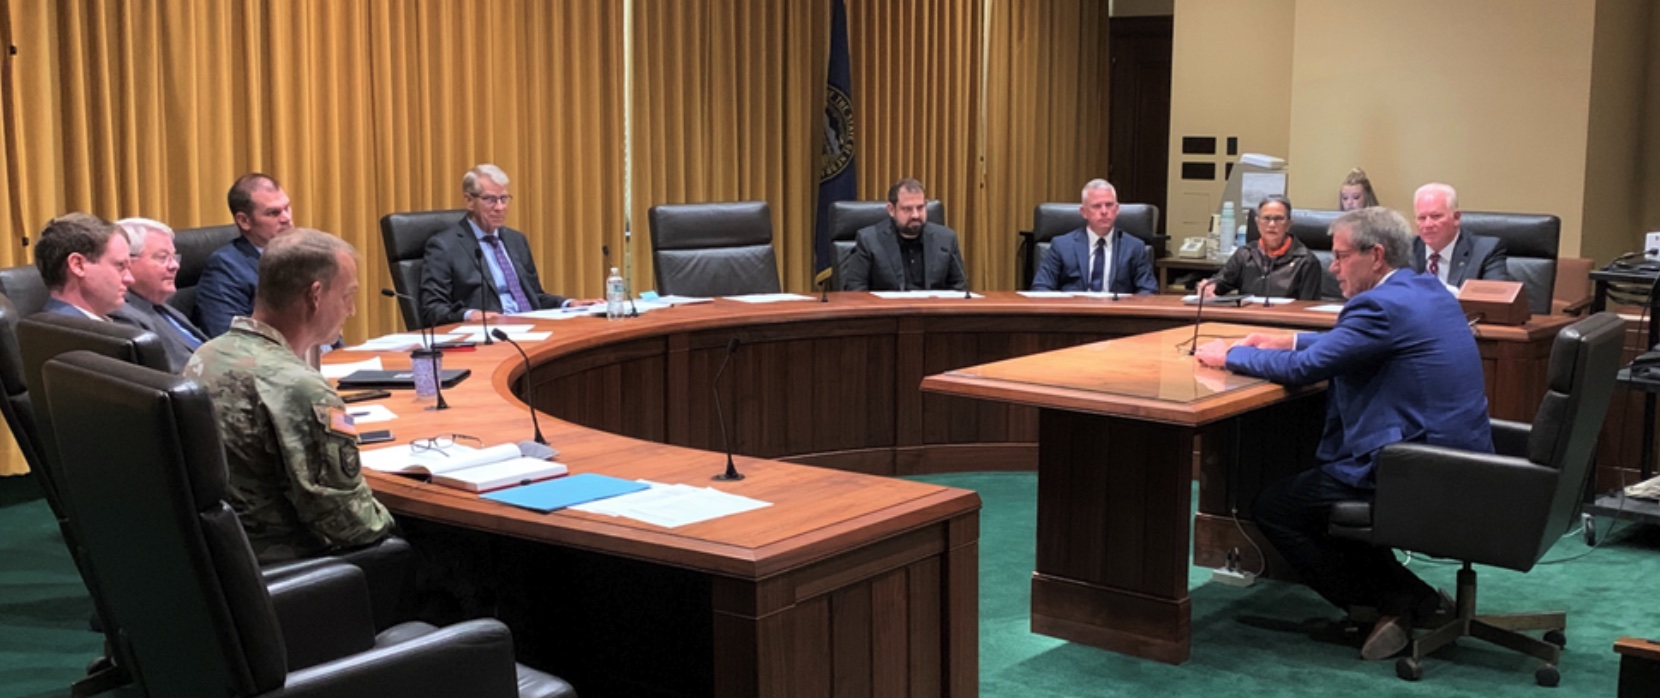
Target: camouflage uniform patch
x,y
294,472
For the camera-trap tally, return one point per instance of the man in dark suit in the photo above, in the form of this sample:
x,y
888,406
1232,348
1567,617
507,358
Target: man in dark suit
x,y
1097,257
454,287
83,262
262,211
1403,367
1452,255
905,252
155,266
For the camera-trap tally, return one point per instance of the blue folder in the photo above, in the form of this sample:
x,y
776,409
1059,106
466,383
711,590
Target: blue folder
x,y
561,492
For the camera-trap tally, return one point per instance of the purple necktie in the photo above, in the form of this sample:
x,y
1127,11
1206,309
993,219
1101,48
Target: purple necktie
x,y
507,272
1435,264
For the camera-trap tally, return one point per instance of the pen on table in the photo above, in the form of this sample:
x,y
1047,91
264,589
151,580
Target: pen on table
x,y
361,413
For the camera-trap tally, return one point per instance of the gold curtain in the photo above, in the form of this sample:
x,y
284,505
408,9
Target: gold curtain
x,y
366,107
1046,133
361,108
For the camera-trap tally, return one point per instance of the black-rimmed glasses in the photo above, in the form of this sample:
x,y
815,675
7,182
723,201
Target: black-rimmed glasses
x,y
441,443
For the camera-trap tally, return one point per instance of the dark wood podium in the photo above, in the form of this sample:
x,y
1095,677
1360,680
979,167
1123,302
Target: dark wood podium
x,y
1118,426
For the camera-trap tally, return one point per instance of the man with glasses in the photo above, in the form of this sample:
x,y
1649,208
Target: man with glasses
x,y
291,456
480,266
154,266
83,262
1402,367
226,290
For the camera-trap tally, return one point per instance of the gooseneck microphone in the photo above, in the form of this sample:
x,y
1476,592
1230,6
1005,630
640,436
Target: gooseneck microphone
x,y
731,473
428,352
961,273
537,448
427,333
1198,313
628,271
488,285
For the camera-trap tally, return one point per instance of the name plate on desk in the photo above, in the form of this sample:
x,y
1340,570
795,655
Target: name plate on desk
x,y
1498,302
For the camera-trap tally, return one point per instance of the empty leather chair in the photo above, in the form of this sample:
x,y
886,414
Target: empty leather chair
x,y
713,249
144,472
1050,220
25,288
848,217
195,246
405,236
1530,245
1505,509
20,416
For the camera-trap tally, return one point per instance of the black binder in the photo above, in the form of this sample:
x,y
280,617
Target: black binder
x,y
401,379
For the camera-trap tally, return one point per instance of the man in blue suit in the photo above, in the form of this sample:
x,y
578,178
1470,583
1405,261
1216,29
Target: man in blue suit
x,y
1079,260
1443,249
1403,367
226,289
83,262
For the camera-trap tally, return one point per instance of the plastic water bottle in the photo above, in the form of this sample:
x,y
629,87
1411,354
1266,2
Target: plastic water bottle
x,y
1225,231
1239,238
616,294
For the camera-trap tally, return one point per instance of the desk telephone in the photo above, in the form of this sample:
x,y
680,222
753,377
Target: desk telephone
x,y
1193,248
1647,366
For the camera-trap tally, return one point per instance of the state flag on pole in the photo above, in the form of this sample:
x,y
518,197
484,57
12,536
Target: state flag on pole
x,y
838,174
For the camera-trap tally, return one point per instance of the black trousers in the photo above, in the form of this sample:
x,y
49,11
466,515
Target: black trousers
x,y
1293,514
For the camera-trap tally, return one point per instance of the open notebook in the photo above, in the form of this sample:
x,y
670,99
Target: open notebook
x,y
463,468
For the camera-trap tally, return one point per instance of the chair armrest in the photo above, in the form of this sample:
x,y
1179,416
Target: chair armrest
x,y
324,612
276,571
473,658
1510,438
1478,507
1575,307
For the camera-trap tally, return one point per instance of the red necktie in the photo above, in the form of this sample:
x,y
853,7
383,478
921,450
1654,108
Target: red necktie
x,y
1435,264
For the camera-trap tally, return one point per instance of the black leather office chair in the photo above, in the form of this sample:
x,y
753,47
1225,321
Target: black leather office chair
x,y
848,217
20,416
1503,510
1530,242
195,246
405,236
1050,220
144,473
23,285
713,249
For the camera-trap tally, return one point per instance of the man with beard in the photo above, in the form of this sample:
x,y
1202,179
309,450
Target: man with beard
x,y
905,252
1097,257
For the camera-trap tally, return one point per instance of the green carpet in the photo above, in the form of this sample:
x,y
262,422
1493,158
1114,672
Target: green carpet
x,y
1245,641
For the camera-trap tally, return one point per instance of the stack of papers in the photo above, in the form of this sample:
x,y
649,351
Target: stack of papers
x,y
343,370
937,293
563,492
770,298
518,333
464,468
406,341
672,506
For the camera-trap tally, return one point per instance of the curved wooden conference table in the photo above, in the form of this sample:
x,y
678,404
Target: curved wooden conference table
x,y
851,580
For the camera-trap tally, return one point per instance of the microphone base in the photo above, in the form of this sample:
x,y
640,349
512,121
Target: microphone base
x,y
539,451
728,477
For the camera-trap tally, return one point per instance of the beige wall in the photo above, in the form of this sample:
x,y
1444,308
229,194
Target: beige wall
x,y
1491,97
1504,99
1230,76
1614,187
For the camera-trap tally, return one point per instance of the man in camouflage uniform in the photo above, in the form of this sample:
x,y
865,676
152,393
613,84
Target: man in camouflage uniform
x,y
290,448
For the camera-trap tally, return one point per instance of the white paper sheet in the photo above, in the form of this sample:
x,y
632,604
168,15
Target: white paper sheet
x,y
672,506
369,414
1328,308
478,329
770,298
1046,294
901,295
343,370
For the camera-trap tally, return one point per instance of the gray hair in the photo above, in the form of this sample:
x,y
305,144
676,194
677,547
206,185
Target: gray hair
x,y
1439,188
140,229
469,181
1375,225
1096,184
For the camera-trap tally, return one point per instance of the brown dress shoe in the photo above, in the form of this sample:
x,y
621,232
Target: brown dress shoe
x,y
1388,638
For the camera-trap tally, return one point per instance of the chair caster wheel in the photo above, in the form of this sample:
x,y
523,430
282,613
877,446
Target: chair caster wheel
x,y
1547,675
1409,669
1556,637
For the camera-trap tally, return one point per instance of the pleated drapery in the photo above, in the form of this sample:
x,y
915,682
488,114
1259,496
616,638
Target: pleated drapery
x,y
366,107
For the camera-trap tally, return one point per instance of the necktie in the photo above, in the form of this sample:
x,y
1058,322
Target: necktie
x,y
1435,263
511,277
1098,266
